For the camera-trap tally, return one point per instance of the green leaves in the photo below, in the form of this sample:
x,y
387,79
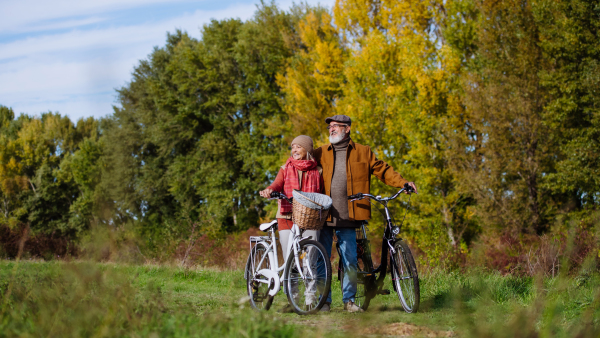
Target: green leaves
x,y
193,135
490,107
42,176
569,40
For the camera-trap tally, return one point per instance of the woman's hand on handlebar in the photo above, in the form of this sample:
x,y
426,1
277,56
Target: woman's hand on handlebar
x,y
266,193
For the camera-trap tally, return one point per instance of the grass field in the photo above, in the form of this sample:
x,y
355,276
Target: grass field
x,y
75,299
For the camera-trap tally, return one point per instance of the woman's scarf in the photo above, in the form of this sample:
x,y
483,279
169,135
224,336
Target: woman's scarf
x,y
311,180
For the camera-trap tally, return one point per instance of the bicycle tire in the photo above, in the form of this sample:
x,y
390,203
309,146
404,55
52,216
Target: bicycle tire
x,y
405,277
363,295
307,296
258,292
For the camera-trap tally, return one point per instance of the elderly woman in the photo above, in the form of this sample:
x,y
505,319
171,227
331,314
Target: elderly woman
x,y
300,172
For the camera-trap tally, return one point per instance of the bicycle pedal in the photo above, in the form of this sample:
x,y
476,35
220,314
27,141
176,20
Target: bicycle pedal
x,y
383,292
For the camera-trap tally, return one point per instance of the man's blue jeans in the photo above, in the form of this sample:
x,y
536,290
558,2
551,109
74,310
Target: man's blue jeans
x,y
347,239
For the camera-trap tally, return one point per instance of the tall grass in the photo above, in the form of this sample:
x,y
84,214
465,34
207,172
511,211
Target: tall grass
x,y
80,299
491,305
74,299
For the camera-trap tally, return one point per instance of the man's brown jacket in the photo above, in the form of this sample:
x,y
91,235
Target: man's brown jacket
x,y
360,164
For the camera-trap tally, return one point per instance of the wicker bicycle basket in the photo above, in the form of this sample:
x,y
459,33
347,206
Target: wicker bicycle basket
x,y
310,209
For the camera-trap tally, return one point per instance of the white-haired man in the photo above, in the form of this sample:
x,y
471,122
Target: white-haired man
x,y
347,169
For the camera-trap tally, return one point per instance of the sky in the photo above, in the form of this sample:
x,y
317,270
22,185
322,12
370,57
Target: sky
x,y
69,56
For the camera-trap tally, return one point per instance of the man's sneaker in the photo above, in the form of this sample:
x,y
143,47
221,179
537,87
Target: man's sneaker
x,y
351,307
326,308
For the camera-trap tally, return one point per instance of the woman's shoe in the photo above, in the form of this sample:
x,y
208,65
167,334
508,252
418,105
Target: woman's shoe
x,y
326,308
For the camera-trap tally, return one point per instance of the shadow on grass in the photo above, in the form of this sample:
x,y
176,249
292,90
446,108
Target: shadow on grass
x,y
440,301
386,308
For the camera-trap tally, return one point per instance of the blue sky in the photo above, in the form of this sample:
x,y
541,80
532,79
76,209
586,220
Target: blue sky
x,y
69,56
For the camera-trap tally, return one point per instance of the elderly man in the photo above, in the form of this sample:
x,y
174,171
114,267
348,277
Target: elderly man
x,y
347,169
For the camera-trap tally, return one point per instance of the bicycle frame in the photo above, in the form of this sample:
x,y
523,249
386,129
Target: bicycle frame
x,y
276,272
388,241
305,273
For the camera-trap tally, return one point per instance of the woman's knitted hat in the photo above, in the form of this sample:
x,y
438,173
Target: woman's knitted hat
x,y
305,142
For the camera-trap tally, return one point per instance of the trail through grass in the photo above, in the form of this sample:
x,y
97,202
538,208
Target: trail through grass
x,y
90,299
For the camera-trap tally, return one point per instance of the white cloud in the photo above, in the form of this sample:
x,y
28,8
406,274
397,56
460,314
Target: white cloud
x,y
46,26
16,15
59,72
76,72
115,37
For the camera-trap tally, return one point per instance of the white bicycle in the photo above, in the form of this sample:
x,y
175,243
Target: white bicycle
x,y
305,275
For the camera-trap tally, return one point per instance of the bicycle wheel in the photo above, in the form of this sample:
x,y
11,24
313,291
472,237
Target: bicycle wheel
x,y
307,295
363,282
405,277
258,289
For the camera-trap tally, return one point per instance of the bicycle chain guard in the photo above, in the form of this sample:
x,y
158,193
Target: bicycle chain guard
x,y
273,280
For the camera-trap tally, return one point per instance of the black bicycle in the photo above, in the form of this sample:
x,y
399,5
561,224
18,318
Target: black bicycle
x,y
403,270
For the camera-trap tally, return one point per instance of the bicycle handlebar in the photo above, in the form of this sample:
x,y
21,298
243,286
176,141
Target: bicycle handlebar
x,y
407,188
356,196
279,196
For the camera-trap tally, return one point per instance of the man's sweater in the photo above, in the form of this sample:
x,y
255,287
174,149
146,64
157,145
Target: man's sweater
x,y
339,189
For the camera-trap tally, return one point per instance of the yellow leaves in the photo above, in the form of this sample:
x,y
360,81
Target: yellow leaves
x,y
12,180
386,65
315,30
13,185
311,82
12,167
391,71
36,143
398,18
33,145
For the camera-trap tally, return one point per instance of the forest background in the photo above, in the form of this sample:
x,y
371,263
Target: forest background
x,y
491,107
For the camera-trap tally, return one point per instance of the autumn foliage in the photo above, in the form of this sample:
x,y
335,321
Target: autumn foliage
x,y
491,107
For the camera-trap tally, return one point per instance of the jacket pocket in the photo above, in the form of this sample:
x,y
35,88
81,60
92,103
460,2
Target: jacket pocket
x,y
360,171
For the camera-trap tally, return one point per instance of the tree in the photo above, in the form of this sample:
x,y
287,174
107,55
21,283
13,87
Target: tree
x,y
569,33
13,182
390,67
511,149
403,90
194,136
313,79
37,187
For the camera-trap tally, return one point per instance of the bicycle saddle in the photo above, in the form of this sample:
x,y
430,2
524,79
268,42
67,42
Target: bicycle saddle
x,y
267,226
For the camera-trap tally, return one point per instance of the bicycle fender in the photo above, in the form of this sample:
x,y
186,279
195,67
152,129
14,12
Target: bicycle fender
x,y
273,277
270,254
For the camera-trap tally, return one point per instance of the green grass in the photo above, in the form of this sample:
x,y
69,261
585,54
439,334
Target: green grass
x,y
74,299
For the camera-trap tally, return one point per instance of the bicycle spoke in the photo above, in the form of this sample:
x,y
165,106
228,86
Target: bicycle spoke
x,y
405,278
258,285
305,278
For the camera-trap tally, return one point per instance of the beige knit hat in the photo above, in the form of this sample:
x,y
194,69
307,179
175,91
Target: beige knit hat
x,y
305,142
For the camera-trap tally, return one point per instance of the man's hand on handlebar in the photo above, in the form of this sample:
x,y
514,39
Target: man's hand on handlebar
x,y
355,196
266,193
410,187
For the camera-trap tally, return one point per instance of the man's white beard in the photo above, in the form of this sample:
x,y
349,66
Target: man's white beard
x,y
337,138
